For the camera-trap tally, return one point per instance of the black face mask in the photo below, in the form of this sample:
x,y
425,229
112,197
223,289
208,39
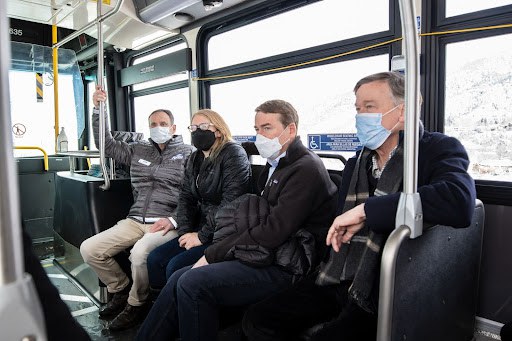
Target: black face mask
x,y
203,139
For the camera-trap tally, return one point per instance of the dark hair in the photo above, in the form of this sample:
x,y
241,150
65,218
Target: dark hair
x,y
395,80
168,112
287,113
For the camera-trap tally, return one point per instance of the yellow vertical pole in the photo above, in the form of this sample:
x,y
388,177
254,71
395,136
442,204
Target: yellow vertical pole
x,y
55,82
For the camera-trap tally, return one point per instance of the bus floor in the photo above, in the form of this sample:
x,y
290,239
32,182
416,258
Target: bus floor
x,y
86,312
82,308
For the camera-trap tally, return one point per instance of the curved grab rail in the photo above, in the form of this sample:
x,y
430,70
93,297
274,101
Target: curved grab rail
x,y
45,155
409,214
387,281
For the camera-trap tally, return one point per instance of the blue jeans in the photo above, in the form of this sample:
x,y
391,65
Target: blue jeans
x,y
163,261
188,305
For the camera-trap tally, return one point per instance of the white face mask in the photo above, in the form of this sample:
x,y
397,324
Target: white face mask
x,y
160,134
268,148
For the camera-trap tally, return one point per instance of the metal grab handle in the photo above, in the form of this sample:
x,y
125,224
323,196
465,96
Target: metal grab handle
x,y
409,211
387,281
21,316
11,260
45,155
409,215
106,177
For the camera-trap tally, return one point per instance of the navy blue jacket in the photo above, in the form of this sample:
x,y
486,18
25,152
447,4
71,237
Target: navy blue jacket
x,y
446,190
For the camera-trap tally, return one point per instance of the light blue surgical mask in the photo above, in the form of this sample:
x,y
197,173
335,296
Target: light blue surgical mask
x,y
160,134
370,131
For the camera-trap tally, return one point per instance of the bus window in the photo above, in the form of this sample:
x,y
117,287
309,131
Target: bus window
x,y
323,96
32,113
177,101
271,36
477,103
457,7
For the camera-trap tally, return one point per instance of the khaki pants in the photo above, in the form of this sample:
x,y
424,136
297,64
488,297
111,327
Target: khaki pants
x,y
98,250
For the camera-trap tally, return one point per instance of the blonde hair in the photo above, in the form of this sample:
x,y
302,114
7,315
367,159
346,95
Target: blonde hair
x,y
220,125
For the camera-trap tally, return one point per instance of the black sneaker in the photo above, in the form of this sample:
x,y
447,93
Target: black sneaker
x,y
506,332
114,306
129,317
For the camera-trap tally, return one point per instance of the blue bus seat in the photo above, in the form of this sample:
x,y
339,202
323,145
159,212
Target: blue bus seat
x,y
251,150
436,283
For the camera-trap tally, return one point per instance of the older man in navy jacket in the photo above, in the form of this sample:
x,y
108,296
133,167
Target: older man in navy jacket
x,y
345,290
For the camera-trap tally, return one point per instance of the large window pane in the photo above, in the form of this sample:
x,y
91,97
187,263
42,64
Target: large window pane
x,y
478,102
33,120
458,7
323,96
177,101
312,25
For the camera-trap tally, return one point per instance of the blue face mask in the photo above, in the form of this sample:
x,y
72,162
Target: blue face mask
x,y
370,131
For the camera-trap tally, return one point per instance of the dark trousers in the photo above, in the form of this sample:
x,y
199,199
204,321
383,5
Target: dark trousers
x,y
163,261
321,313
191,299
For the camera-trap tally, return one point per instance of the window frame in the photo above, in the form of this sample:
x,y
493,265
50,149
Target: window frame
x,y
262,12
434,65
132,94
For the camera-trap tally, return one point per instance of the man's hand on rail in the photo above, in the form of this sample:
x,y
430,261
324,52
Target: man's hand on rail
x,y
345,226
162,224
98,96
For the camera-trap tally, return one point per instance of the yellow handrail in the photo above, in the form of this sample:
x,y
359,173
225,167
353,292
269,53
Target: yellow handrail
x,y
45,155
55,58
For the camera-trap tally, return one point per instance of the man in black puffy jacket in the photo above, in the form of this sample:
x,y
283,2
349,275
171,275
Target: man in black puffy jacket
x,y
301,199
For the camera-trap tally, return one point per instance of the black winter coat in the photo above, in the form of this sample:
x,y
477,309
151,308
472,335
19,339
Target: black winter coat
x,y
300,195
209,184
296,255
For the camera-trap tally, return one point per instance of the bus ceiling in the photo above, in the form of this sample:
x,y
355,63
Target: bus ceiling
x,y
128,24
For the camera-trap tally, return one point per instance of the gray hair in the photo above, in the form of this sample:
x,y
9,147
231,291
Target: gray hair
x,y
395,81
168,112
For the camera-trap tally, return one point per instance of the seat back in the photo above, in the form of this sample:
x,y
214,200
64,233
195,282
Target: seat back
x,y
335,174
436,284
83,209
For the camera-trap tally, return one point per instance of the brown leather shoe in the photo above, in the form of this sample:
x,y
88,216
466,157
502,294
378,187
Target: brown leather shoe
x,y
129,317
114,306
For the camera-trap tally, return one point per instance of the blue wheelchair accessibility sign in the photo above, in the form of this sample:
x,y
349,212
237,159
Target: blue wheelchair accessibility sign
x,y
334,142
314,142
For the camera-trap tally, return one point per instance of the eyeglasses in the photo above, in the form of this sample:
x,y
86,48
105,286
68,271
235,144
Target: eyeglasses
x,y
202,126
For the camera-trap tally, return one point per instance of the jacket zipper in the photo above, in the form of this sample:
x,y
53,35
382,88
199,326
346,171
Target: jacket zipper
x,y
150,193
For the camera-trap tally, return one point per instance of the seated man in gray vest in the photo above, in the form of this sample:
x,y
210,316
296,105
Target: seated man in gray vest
x,y
156,170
